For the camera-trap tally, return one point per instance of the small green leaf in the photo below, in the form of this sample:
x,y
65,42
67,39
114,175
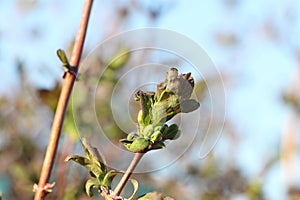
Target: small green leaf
x,y
147,131
139,144
106,182
99,163
165,108
156,136
79,159
164,127
130,136
63,58
126,143
140,119
146,102
171,133
93,168
90,184
91,161
135,188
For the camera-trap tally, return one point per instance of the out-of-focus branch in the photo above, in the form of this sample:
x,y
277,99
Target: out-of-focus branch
x,y
289,142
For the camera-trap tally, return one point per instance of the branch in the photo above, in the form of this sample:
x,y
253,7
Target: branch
x,y
137,157
40,190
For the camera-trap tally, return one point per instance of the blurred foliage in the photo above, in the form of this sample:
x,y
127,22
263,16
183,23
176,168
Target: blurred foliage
x,y
154,195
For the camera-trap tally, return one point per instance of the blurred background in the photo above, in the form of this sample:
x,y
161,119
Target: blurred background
x,y
254,44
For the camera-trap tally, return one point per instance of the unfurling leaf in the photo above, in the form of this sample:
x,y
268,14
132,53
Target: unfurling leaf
x,y
135,188
147,131
78,159
131,136
91,151
106,182
92,160
89,185
97,165
156,136
146,102
93,167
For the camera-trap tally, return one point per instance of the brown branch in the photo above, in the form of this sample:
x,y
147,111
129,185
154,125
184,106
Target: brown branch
x,y
41,189
137,157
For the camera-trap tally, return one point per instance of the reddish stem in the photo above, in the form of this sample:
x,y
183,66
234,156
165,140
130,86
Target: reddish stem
x,y
129,171
40,191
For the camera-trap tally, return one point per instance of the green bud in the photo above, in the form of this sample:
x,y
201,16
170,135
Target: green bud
x,y
146,102
148,130
155,136
126,144
140,119
139,144
63,58
157,128
131,136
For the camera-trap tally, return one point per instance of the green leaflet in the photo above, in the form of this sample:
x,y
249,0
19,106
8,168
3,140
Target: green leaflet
x,y
135,188
67,67
96,165
106,181
139,145
93,167
89,185
146,102
63,58
171,133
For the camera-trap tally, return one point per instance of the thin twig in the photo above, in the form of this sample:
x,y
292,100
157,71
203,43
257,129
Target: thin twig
x,y
137,157
40,191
